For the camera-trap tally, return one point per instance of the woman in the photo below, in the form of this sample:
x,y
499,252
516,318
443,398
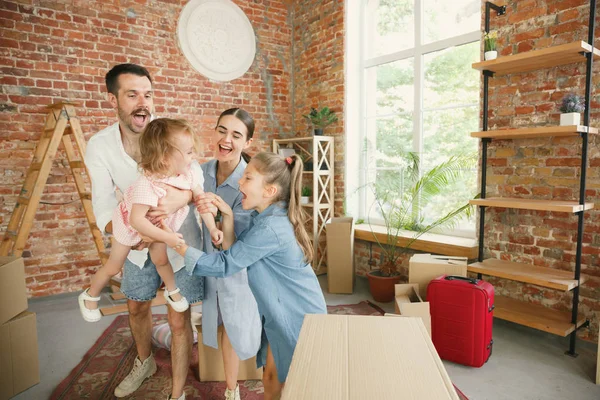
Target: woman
x,y
229,301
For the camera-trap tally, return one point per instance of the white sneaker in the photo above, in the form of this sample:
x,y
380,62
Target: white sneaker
x,y
179,306
182,397
139,372
233,394
88,314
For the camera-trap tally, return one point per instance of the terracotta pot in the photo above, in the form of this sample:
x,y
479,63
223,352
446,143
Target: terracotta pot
x,y
382,287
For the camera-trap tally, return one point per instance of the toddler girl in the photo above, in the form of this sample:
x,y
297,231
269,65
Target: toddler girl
x,y
167,149
277,252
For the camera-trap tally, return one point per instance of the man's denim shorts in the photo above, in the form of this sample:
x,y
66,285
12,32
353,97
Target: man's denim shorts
x,y
141,284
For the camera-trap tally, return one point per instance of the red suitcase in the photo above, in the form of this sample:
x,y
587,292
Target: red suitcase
x,y
461,319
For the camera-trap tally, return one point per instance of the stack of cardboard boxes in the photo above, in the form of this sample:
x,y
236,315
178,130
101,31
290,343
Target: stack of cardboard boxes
x,y
344,357
19,365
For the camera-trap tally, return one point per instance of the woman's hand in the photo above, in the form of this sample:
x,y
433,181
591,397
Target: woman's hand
x,y
167,205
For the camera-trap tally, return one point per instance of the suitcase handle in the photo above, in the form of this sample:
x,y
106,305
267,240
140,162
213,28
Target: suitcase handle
x,y
462,278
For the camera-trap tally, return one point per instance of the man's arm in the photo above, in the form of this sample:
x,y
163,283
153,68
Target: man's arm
x,y
104,199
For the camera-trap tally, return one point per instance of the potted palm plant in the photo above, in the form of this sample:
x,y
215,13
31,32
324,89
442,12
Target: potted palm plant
x,y
320,119
402,210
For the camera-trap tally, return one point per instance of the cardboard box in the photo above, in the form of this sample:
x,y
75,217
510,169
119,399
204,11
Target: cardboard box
x,y
408,303
210,362
13,295
343,357
19,364
423,268
340,255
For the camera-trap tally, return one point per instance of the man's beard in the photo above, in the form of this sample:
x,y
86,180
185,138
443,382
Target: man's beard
x,y
127,119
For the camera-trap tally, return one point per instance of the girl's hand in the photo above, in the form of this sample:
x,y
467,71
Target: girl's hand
x,y
173,201
180,247
176,240
204,203
216,236
222,206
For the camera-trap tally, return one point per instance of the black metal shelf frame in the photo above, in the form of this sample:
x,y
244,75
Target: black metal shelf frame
x,y
501,10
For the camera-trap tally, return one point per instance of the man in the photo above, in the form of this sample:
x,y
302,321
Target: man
x,y
111,158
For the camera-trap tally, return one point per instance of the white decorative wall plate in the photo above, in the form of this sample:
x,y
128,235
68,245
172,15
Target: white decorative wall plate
x,y
217,38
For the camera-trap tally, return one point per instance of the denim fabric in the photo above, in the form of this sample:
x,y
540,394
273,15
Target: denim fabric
x,y
231,295
284,284
141,284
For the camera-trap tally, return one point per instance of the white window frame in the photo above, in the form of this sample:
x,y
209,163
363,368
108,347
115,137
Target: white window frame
x,y
356,121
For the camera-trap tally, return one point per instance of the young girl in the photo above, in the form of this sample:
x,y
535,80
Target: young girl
x,y
167,149
277,252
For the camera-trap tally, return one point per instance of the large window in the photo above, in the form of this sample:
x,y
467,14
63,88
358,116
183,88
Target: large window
x,y
411,88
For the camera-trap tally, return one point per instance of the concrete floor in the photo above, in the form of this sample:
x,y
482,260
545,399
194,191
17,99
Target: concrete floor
x,y
526,363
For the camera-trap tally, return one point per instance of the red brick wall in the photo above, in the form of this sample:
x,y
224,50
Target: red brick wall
x,y
61,49
318,65
545,168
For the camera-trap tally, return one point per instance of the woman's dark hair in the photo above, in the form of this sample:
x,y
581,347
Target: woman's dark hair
x,y
112,77
246,119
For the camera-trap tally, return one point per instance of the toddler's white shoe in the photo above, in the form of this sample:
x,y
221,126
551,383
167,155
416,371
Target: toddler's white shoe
x,y
86,313
182,397
233,394
179,306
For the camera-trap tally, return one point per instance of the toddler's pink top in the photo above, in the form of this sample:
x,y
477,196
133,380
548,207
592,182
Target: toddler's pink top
x,y
146,190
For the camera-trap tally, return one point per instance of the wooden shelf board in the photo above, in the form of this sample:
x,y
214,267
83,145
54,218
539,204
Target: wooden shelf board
x,y
320,172
535,316
538,59
311,205
429,242
532,204
541,276
304,139
543,131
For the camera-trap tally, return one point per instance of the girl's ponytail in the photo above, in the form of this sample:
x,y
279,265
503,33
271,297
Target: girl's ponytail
x,y
286,173
296,214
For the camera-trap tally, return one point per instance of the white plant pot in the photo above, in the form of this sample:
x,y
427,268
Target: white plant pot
x,y
304,200
567,119
490,55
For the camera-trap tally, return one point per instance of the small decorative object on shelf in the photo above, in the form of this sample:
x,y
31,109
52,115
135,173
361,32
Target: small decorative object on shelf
x,y
571,108
320,119
306,193
489,45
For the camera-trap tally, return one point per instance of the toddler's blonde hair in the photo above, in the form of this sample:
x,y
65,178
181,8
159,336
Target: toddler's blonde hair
x,y
156,144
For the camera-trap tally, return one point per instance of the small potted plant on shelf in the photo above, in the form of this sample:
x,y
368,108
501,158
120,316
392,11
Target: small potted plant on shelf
x,y
489,45
571,108
306,193
403,206
320,119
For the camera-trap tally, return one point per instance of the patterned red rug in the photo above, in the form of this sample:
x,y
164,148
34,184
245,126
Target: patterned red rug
x,y
111,357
